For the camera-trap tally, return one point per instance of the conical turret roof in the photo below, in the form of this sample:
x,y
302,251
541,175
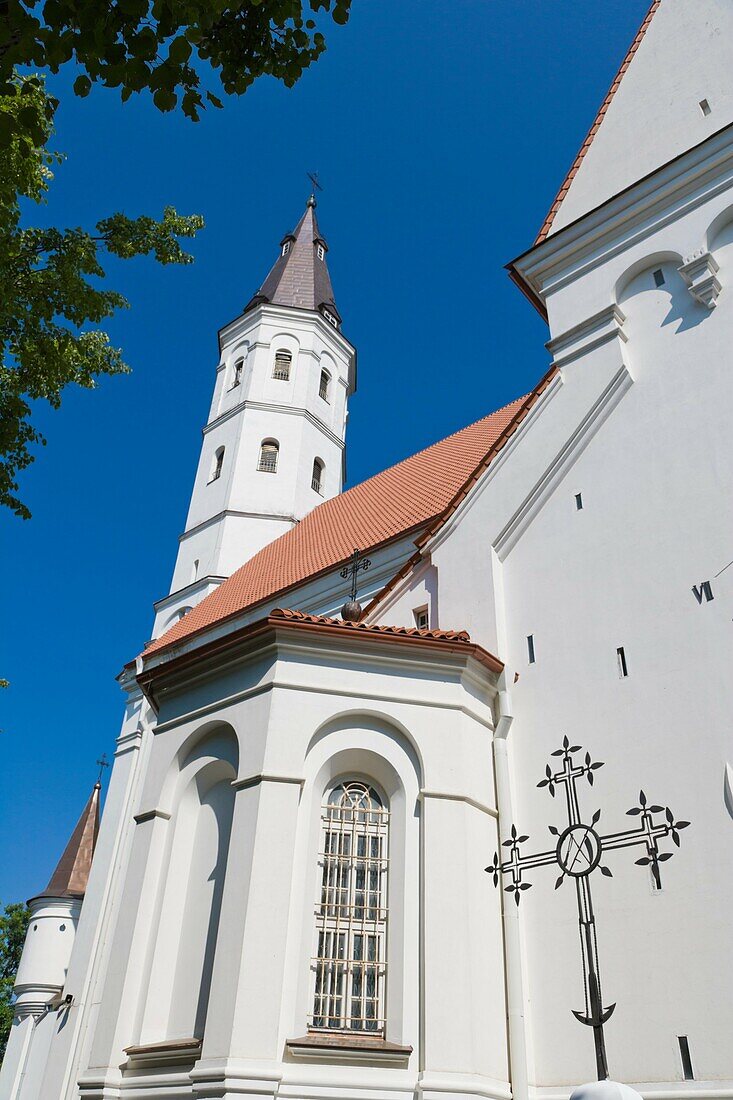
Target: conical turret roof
x,y
72,872
299,277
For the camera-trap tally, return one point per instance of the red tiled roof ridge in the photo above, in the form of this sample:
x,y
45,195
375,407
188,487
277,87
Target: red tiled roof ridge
x,y
402,499
601,114
370,628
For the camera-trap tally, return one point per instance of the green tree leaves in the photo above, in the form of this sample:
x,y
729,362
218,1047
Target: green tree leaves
x,y
13,926
157,47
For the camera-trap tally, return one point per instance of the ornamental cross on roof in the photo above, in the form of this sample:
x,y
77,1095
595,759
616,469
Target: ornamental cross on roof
x,y
578,852
351,611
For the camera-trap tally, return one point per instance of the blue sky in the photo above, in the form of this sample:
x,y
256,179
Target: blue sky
x,y
441,132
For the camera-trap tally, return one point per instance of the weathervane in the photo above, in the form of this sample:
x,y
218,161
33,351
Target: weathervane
x,y
578,852
351,611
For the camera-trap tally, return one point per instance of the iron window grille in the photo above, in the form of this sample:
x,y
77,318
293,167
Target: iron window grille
x,y
268,459
351,918
281,369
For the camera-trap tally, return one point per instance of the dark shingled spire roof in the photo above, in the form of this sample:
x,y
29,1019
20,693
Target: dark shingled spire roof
x,y
299,277
72,873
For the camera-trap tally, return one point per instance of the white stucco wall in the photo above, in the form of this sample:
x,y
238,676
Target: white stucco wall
x,y
655,113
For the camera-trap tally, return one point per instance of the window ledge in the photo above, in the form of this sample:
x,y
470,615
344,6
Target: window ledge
x,y
165,1051
347,1048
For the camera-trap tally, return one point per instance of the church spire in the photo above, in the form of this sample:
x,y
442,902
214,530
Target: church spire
x,y
299,277
72,872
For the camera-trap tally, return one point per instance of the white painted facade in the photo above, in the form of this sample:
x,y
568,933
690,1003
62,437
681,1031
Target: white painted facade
x,y
594,529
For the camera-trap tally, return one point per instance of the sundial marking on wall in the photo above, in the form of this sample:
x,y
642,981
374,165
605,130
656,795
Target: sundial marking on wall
x,y
578,852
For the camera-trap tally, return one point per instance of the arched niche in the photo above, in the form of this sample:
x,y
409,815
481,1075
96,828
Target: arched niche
x,y
654,297
192,885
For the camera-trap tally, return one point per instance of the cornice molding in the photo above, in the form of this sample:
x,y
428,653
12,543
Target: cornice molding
x,y
269,406
255,780
661,197
240,515
150,815
602,327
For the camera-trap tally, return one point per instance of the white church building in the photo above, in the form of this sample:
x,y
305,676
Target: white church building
x,y
357,842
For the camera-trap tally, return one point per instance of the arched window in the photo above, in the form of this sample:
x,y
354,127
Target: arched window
x,y
238,369
324,384
351,917
317,476
281,370
217,464
269,452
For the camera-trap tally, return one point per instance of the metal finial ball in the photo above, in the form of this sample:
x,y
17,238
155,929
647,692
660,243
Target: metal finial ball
x,y
351,611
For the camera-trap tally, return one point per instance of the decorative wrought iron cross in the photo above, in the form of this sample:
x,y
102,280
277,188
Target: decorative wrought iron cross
x,y
103,763
353,569
578,852
313,177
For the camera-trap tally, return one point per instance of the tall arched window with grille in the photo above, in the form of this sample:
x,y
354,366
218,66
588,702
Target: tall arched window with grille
x,y
351,916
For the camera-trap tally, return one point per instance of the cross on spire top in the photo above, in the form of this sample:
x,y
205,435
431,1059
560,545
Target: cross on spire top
x,y
103,763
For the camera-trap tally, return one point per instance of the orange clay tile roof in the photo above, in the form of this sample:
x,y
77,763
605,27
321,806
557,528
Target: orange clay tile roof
x,y
370,628
565,186
404,498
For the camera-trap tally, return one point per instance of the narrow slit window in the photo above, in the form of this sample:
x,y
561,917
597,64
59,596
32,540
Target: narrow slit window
x,y
323,385
687,1070
530,648
238,368
659,277
705,107
621,660
579,501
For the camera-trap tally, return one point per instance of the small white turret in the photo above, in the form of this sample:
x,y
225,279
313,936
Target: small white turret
x,y
41,977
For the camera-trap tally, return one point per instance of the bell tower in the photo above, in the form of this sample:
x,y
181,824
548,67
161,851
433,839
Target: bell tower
x,y
273,445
